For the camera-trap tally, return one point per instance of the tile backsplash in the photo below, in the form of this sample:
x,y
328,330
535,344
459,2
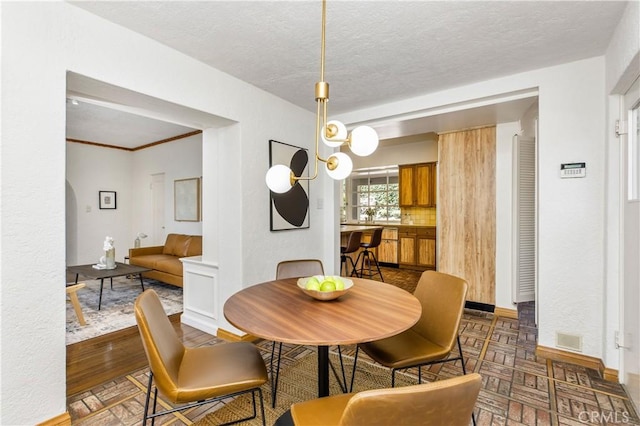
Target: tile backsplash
x,y
418,216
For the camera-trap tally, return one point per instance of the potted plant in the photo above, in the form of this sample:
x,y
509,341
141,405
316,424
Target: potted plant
x,y
370,213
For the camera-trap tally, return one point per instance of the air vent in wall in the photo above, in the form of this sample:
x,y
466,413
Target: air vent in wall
x,y
569,341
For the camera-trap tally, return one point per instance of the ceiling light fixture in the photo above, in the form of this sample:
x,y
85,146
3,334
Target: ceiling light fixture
x,y
362,140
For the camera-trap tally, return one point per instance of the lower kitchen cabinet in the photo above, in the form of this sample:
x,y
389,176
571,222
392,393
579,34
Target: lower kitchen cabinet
x,y
407,249
426,252
417,247
388,248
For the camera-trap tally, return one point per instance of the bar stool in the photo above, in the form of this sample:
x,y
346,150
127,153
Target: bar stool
x,y
368,255
353,244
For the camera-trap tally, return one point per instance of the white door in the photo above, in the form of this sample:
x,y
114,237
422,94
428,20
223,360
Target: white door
x,y
157,200
629,336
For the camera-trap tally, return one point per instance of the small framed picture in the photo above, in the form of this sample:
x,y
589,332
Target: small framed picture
x,y
107,199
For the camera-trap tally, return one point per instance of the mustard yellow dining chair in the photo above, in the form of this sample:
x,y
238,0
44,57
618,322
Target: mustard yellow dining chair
x,y
191,377
432,339
447,402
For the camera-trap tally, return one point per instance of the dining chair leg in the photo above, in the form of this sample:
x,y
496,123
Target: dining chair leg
x,y
353,373
275,378
155,405
264,419
464,370
146,401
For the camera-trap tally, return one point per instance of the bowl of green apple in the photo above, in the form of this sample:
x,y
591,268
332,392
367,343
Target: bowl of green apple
x,y
325,287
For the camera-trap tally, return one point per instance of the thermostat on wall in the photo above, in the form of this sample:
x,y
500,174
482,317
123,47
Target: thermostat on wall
x,y
573,170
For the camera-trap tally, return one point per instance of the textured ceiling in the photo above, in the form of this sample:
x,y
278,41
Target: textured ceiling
x,y
376,51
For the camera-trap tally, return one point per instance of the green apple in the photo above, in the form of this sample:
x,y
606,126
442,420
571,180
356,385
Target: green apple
x,y
339,284
327,285
312,284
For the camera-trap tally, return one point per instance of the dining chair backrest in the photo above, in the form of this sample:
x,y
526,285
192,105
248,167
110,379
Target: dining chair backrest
x,y
161,344
445,402
442,297
353,243
299,268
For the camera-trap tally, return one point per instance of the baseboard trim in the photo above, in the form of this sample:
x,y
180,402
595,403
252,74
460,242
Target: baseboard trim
x,y
232,337
578,359
611,375
485,307
63,419
506,313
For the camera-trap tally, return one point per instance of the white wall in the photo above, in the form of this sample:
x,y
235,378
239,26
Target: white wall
x,y
180,159
571,213
622,67
40,43
93,168
407,153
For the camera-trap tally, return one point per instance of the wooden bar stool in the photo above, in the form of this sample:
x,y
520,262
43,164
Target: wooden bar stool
x,y
353,244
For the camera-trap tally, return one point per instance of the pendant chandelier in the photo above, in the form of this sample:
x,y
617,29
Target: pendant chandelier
x,y
362,140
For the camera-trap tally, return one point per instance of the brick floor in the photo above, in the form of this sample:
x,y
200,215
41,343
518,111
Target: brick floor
x,y
519,388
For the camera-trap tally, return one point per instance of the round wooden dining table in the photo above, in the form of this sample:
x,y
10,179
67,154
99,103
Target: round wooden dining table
x,y
280,311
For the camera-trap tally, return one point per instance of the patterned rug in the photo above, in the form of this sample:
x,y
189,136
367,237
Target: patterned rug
x,y
299,382
116,311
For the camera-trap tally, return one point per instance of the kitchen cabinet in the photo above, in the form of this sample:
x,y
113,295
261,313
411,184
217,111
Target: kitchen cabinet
x,y
388,248
417,184
417,247
426,248
407,249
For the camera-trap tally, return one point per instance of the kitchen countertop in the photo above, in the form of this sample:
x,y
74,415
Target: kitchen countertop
x,y
351,228
343,226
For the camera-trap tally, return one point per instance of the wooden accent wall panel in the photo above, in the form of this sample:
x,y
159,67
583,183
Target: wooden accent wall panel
x,y
466,209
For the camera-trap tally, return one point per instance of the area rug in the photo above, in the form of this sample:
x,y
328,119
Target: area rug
x,y
299,382
116,312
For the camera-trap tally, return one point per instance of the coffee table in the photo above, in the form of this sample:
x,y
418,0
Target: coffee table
x,y
279,311
121,269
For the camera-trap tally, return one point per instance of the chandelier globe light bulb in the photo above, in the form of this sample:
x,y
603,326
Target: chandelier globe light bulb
x,y
344,166
339,133
364,141
278,178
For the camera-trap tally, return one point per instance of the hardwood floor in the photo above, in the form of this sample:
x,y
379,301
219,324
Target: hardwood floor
x,y
104,358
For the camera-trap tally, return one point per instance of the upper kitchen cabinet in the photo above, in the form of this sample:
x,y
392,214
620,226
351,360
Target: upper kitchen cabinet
x,y
418,185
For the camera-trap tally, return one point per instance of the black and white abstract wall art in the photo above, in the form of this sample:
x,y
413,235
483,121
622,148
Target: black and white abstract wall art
x,y
290,210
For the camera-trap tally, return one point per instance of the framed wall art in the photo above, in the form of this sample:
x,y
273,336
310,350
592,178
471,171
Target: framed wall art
x,y
107,200
291,209
186,199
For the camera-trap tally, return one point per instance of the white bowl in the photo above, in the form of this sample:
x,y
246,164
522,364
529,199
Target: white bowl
x,y
324,295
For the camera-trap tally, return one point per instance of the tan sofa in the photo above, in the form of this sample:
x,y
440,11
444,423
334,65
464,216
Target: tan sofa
x,y
165,260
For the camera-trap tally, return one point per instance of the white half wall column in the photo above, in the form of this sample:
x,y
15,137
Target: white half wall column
x,y
200,295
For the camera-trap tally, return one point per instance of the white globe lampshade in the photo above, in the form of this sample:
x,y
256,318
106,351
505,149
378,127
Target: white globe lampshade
x,y
337,139
278,178
364,140
345,165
